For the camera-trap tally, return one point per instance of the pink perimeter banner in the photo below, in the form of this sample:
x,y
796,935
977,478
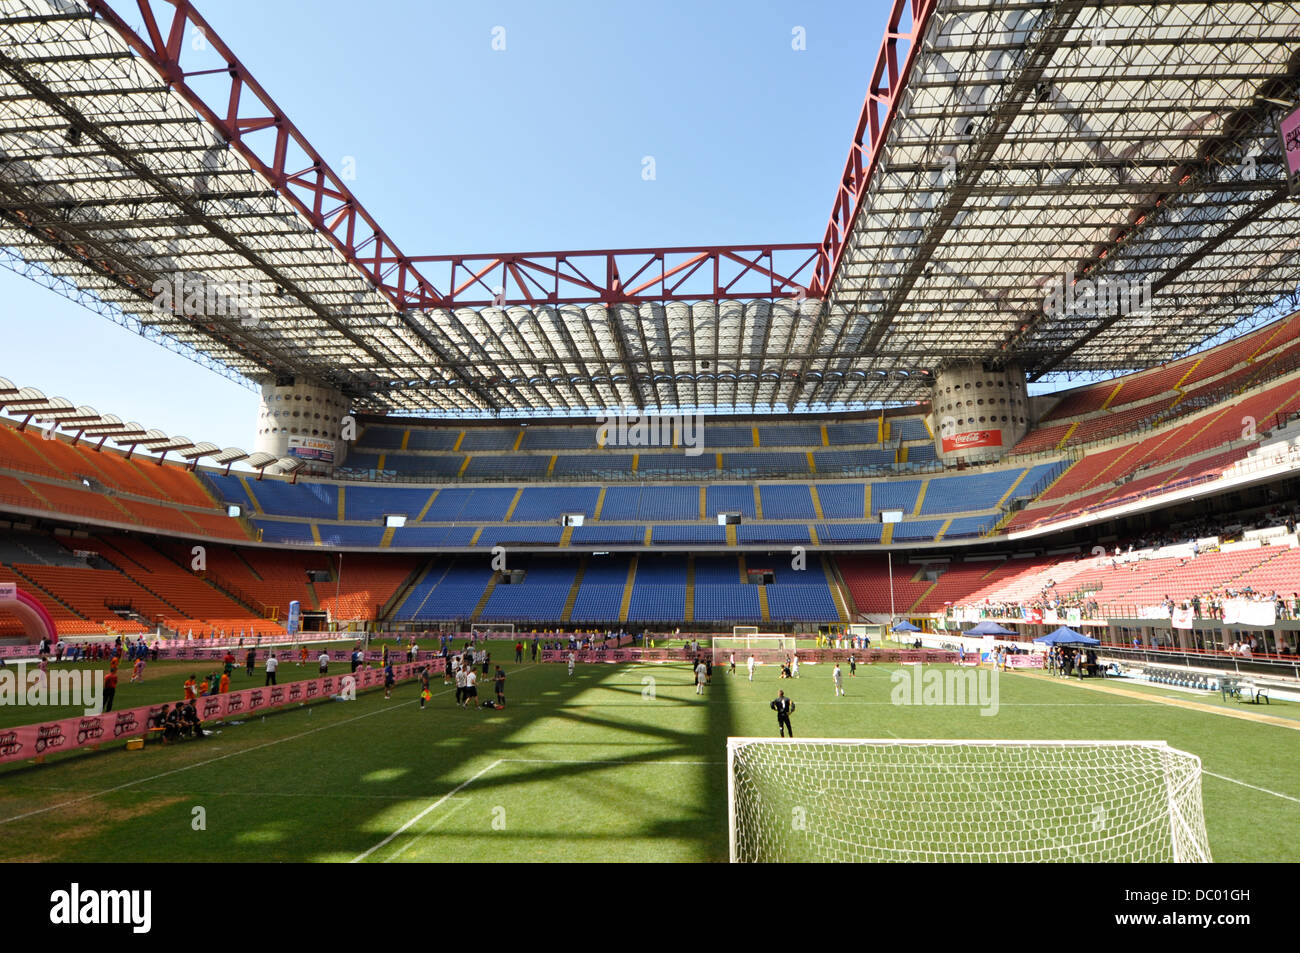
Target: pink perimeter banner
x,y
762,656
69,734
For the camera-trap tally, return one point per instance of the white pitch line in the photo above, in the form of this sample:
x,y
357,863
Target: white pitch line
x,y
1223,777
432,807
410,845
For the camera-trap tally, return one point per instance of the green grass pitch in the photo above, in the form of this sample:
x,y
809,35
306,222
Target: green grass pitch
x,y
617,763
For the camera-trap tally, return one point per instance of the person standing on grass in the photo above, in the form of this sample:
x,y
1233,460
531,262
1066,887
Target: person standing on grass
x,y
838,678
471,689
324,661
110,689
750,665
250,661
853,666
460,682
794,662
390,680
784,708
302,657
425,694
572,661
701,674
223,687
191,687
519,652
731,664
500,680
272,665
138,674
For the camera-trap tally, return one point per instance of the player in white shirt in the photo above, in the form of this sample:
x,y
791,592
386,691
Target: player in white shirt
x,y
471,689
750,665
572,659
732,660
701,673
460,686
795,670
838,678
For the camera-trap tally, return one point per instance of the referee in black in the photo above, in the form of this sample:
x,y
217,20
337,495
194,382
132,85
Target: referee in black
x,y
783,707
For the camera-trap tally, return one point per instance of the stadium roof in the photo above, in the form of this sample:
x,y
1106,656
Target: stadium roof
x,y
1017,143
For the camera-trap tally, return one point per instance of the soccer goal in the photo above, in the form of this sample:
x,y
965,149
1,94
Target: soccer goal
x,y
763,645
488,630
828,799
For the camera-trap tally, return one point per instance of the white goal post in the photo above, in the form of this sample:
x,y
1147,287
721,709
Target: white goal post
x,y
485,630
832,799
751,640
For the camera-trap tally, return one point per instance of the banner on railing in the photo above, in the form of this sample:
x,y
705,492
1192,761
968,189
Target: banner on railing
x,y
69,734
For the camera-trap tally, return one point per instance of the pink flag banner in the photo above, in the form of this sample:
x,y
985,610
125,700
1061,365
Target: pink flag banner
x,y
68,734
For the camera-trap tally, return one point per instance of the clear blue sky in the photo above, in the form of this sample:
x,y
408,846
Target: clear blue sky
x,y
462,148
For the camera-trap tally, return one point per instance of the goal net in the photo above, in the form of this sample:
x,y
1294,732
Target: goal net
x,y
827,799
764,646
486,630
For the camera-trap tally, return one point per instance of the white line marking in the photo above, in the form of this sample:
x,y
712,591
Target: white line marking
x,y
432,807
1222,777
410,845
594,761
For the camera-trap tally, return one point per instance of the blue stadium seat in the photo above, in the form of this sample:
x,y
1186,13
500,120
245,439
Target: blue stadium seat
x,y
894,495
729,499
540,503
780,533
309,500
789,501
842,501
968,492
461,504
374,502
790,435
489,440
684,533
840,435
636,503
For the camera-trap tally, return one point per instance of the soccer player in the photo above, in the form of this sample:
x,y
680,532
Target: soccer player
x,y
731,661
324,661
853,666
390,680
250,660
272,666
138,675
701,673
795,669
750,665
460,683
783,707
838,678
471,689
500,680
572,660
223,686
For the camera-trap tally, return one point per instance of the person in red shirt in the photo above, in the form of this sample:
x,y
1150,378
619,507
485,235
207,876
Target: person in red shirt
x,y
110,689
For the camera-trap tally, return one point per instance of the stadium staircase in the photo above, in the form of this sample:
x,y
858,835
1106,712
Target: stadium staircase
x,y
483,600
628,586
690,574
573,591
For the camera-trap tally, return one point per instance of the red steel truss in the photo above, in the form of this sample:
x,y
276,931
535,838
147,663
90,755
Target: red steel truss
x,y
888,79
245,109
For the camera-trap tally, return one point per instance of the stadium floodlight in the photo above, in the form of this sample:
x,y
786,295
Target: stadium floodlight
x,y
832,799
234,511
394,520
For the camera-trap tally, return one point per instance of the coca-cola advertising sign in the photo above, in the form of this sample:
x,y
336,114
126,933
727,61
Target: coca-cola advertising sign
x,y
972,439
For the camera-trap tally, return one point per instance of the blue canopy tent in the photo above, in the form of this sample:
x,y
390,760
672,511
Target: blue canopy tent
x,y
905,626
1066,636
988,628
